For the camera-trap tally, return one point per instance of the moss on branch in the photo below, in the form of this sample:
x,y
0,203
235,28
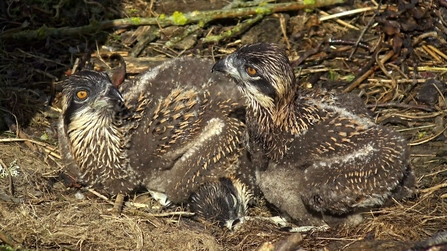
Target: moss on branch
x,y
177,18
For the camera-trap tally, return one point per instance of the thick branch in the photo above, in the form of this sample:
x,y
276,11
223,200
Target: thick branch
x,y
178,18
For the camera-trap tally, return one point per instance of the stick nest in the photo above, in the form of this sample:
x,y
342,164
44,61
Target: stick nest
x,y
397,68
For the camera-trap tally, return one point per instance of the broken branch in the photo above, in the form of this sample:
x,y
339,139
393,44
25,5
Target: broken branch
x,y
177,18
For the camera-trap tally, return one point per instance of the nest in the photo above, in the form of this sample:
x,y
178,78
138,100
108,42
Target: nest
x,y
395,69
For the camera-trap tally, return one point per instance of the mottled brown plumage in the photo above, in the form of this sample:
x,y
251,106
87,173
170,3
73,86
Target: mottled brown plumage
x,y
172,130
317,151
186,133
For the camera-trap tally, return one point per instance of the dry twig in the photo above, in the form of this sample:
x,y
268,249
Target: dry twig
x,y
427,139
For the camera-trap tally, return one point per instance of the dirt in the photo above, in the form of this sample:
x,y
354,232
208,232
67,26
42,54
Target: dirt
x,y
37,212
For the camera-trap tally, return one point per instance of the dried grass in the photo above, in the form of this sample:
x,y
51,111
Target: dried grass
x,y
51,218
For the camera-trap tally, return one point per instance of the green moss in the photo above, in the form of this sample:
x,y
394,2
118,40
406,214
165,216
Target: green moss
x,y
115,37
179,18
136,20
41,32
350,78
132,11
44,137
333,76
6,248
93,23
309,2
162,16
263,11
421,135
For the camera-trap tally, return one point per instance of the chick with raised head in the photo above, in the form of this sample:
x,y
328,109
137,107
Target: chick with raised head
x,y
92,131
314,152
172,130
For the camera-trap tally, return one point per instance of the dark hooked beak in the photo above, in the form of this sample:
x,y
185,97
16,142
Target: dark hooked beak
x,y
220,65
111,98
115,94
118,102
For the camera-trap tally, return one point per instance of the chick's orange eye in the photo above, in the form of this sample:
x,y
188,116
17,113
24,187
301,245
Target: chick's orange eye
x,y
251,71
82,94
